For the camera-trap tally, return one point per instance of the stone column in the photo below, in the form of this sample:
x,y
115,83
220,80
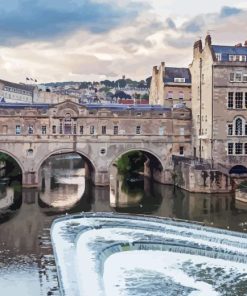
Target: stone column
x,y
101,178
30,179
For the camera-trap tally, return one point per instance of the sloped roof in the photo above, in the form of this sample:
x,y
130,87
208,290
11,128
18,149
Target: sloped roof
x,y
171,72
225,51
17,85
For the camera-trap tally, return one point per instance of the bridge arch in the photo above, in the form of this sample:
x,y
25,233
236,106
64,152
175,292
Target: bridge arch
x,y
66,151
18,161
146,152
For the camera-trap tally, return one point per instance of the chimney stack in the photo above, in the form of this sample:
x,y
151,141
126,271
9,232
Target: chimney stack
x,y
238,45
245,43
208,40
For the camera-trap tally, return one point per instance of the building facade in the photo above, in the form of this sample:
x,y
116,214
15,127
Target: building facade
x,y
219,104
170,86
17,93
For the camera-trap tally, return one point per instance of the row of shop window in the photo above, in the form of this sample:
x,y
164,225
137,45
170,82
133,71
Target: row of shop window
x,y
69,129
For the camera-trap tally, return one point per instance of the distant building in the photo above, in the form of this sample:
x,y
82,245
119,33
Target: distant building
x,y
17,93
219,104
170,86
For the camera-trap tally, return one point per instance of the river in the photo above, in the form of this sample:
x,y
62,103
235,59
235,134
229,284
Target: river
x,y
27,264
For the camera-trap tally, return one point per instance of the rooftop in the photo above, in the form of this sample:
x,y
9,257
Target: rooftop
x,y
17,85
171,73
225,51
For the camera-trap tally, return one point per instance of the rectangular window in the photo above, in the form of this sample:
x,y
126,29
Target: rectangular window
x,y
245,148
245,100
232,76
245,129
218,57
181,95
230,100
103,130
238,148
74,129
138,130
231,58
245,78
230,148
61,127
115,130
181,150
30,129
238,100
230,129
91,130
17,129
170,95
179,80
238,77
43,129
81,130
54,129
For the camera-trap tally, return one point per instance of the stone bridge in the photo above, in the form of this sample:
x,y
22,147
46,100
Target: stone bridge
x,y
100,134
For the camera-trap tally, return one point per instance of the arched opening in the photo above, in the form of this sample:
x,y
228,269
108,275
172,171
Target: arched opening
x,y
10,186
132,181
238,170
64,180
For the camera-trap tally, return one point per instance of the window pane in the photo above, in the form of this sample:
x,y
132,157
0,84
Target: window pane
x,y
238,148
230,100
91,129
18,130
230,148
138,130
238,127
230,128
103,130
81,129
115,130
238,100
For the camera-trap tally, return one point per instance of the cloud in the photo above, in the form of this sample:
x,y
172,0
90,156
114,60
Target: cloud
x,y
42,19
227,11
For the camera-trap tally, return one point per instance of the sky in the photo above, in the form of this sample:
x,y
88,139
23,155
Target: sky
x,y
92,40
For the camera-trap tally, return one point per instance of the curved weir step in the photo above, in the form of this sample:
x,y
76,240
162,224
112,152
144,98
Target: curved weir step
x,y
106,254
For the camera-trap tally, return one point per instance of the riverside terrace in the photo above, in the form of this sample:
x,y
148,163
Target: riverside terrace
x,y
99,133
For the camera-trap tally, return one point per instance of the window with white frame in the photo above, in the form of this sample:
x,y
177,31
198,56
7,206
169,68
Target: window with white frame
x,y
17,129
230,100
238,76
30,129
230,149
238,127
218,56
91,130
244,77
43,129
179,80
238,148
238,100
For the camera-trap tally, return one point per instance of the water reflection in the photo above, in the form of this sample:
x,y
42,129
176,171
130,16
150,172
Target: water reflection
x,y
26,215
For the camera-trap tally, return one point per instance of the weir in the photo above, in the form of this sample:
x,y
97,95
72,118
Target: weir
x,y
94,247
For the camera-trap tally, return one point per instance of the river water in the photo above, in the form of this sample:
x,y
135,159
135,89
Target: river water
x,y
27,264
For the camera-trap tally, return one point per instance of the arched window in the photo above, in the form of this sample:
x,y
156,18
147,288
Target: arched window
x,y
238,127
67,124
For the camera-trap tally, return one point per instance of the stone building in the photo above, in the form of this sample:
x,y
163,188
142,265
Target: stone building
x,y
219,105
17,93
170,86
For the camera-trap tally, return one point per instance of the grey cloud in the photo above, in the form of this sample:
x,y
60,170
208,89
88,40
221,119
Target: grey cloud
x,y
42,19
227,11
170,24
